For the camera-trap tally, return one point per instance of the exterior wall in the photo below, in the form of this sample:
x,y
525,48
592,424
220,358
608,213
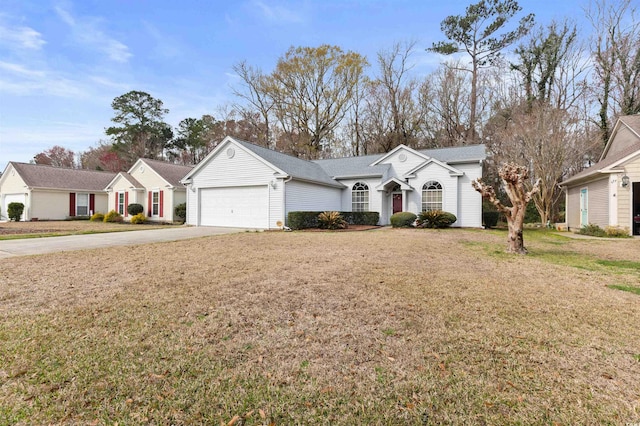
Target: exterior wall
x,y
376,198
597,203
243,169
121,185
572,209
625,208
401,167
449,189
151,181
304,196
54,205
11,183
624,138
469,200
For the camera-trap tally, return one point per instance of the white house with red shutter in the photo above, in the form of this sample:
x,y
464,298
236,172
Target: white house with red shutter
x,y
53,193
153,184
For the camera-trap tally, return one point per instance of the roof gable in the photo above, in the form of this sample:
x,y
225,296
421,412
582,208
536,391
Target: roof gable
x,y
625,133
170,173
452,170
408,151
49,177
128,178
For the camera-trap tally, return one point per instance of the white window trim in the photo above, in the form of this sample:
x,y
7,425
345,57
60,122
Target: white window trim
x,y
362,192
422,198
78,194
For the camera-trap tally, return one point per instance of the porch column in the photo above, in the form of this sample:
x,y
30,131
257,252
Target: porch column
x,y
404,200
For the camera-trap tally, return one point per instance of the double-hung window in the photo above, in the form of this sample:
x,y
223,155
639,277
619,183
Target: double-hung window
x,y
360,197
82,204
431,196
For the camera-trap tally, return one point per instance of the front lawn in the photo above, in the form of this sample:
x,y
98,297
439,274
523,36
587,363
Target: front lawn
x,y
39,229
392,326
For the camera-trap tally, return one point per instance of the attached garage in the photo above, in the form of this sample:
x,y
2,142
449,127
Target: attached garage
x,y
13,198
236,206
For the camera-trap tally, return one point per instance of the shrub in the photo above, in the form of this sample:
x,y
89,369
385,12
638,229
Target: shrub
x,y
14,211
138,218
113,216
592,230
435,219
97,217
304,220
490,219
617,232
403,220
181,211
134,209
331,220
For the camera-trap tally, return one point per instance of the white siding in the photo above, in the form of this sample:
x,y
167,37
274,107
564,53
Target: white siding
x,y
305,196
435,172
469,200
376,198
243,169
572,209
401,167
12,184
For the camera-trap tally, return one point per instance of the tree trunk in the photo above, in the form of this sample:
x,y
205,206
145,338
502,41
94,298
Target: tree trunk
x,y
515,240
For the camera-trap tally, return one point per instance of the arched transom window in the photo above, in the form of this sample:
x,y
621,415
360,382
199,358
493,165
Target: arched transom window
x,y
431,196
360,197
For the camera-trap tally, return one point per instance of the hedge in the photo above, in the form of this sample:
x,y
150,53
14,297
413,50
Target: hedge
x,y
304,220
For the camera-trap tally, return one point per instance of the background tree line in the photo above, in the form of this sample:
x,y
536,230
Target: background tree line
x,y
543,96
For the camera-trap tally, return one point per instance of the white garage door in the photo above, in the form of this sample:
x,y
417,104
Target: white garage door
x,y
12,198
238,206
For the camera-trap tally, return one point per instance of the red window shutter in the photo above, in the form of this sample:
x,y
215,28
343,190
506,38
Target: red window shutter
x,y
72,204
92,203
161,203
126,203
150,205
116,207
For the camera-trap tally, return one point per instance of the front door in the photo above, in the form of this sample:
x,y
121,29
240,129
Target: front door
x,y
397,203
584,214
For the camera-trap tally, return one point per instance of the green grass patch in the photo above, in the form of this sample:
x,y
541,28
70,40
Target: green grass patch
x,y
621,264
630,289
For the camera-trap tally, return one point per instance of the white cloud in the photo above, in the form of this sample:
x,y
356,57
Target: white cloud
x,y
17,38
278,13
87,31
166,47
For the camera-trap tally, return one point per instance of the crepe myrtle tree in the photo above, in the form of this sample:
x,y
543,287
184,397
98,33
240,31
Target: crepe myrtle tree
x,y
514,179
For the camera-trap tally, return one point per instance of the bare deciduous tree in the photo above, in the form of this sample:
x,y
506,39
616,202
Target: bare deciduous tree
x,y
515,179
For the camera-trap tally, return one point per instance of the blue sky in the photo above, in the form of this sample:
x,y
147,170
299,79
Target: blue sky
x,y
63,62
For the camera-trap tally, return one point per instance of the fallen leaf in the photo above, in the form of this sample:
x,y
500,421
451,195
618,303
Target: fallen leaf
x,y
233,420
262,414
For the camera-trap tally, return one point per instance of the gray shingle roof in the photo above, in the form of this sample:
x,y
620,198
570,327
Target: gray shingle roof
x,y
293,166
132,180
595,169
360,166
42,176
633,121
172,173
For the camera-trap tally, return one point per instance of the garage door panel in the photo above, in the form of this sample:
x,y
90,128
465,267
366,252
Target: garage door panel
x,y
242,207
13,198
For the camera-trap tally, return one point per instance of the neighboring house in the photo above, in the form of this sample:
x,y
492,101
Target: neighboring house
x,y
53,193
153,184
608,193
240,184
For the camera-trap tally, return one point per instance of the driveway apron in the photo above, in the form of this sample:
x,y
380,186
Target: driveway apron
x,y
30,246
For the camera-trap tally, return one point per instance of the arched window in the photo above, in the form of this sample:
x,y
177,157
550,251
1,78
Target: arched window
x,y
360,197
431,196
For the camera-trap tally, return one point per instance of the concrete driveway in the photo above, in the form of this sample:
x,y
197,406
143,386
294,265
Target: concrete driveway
x,y
10,248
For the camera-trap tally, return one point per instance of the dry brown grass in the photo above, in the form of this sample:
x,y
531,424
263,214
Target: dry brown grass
x,y
66,227
380,327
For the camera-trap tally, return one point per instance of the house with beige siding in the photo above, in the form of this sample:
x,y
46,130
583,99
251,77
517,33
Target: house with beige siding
x,y
608,192
153,184
53,193
240,184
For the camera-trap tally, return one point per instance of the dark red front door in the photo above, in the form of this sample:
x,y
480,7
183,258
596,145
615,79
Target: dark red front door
x,y
397,203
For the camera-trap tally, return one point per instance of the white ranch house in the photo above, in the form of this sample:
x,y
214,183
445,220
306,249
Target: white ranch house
x,y
240,184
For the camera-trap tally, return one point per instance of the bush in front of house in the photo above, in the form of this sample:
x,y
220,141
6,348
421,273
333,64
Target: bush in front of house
x,y
181,211
113,216
403,220
490,219
435,219
617,232
331,220
14,211
134,209
592,230
305,220
138,219
97,217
